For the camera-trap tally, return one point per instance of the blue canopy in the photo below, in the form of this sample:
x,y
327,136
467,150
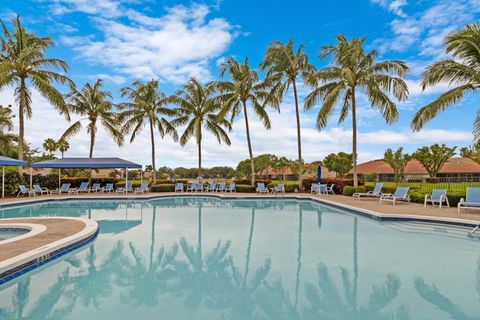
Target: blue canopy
x,y
86,163
6,161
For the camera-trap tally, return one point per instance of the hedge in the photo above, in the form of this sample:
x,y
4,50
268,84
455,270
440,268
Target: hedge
x,y
349,190
163,188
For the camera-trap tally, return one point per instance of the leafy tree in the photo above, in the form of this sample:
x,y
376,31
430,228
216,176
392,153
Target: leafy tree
x,y
198,111
352,72
50,146
397,160
434,157
63,146
23,64
341,163
472,152
148,105
285,66
6,118
461,71
243,168
8,141
263,162
279,164
165,172
94,105
244,88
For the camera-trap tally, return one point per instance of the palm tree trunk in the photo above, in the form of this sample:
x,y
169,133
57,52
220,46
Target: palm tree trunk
x,y
250,153
299,139
249,249
21,117
199,143
152,141
92,142
299,254
354,139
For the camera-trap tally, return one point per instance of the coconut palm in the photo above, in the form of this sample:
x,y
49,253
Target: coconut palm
x,y
198,111
93,105
148,105
461,71
23,64
63,146
354,71
50,145
244,88
7,140
285,67
6,118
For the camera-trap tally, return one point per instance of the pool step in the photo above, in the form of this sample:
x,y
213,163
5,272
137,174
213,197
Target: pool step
x,y
433,229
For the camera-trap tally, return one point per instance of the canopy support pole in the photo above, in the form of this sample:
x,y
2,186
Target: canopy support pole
x,y
141,176
31,177
59,179
126,181
3,181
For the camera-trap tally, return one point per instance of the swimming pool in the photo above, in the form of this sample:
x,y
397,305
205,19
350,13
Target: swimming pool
x,y
8,233
205,258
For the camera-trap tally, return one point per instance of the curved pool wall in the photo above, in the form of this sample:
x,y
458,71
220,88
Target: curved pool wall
x,y
205,258
7,232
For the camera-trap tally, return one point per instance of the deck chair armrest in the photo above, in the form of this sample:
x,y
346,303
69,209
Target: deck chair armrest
x,y
462,200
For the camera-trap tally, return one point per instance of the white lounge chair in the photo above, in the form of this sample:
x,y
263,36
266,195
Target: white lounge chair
x,y
63,189
231,187
25,191
280,188
221,187
261,188
472,200
83,188
192,187
179,187
127,187
40,190
330,189
143,188
314,188
95,187
108,188
401,194
376,193
322,189
211,188
438,196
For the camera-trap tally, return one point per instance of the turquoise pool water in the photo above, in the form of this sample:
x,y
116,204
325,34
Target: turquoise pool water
x,y
203,258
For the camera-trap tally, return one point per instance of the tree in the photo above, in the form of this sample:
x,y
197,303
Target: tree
x,y
23,64
6,118
280,164
461,71
244,88
198,111
284,68
94,105
434,157
50,146
397,160
7,140
263,162
354,71
471,152
63,146
243,169
148,105
341,163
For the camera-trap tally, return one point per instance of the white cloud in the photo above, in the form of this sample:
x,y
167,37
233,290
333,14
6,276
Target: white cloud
x,y
395,6
174,47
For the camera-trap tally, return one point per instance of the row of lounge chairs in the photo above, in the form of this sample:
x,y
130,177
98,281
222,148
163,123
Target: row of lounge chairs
x,y
261,188
318,188
199,187
83,188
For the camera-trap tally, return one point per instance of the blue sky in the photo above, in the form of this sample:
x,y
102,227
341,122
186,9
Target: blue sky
x,y
120,41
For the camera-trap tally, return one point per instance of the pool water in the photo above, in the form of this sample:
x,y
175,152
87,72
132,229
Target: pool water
x,y
8,233
204,258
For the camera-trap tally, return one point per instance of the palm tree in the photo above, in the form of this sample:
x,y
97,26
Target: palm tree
x,y
6,118
284,67
244,88
94,104
148,105
23,63
7,140
50,145
198,110
462,71
63,146
354,71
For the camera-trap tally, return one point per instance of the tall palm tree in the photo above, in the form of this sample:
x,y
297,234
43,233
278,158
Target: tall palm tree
x,y
461,71
198,111
354,71
50,145
93,104
23,64
148,105
286,67
244,88
63,146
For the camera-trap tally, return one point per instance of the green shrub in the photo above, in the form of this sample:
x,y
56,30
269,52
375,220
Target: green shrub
x,y
122,184
348,191
360,189
163,188
12,180
244,188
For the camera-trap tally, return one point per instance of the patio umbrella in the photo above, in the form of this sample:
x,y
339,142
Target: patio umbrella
x,y
6,161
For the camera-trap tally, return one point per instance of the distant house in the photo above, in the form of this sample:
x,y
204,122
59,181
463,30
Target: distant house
x,y
278,174
455,170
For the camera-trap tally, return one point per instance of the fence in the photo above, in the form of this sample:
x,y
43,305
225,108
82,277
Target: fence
x,y
425,187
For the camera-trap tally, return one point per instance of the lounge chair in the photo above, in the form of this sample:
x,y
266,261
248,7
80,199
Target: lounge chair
x,y
472,200
143,188
376,193
126,188
192,187
314,188
280,188
401,194
25,191
330,189
438,196
179,187
95,187
231,187
83,188
322,189
199,187
261,188
63,189
108,188
221,187
211,188
40,190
